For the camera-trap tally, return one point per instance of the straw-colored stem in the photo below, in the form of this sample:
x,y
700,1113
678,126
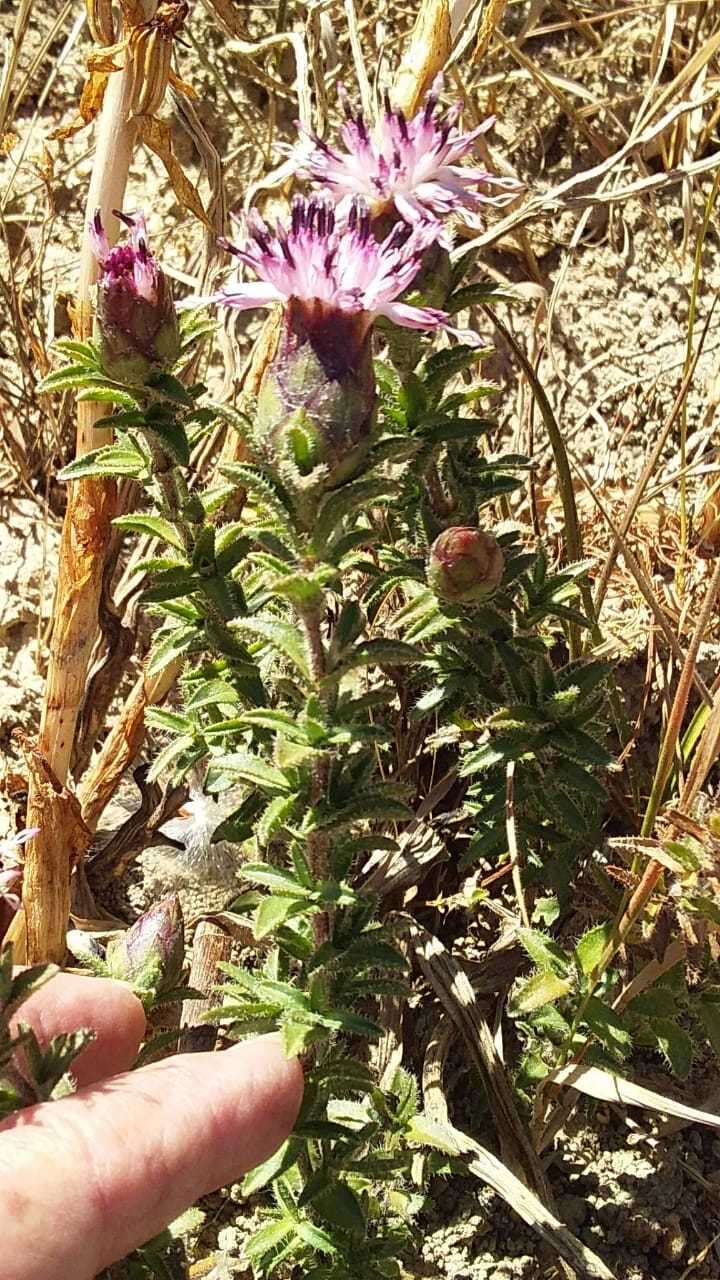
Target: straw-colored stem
x,y
85,537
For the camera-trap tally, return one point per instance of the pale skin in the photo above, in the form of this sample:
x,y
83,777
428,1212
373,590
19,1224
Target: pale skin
x,y
85,1180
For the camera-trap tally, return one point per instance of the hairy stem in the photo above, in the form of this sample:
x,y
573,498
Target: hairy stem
x,y
318,841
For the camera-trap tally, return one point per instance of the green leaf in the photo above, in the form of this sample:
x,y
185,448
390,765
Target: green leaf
x,y
544,953
71,375
157,526
689,853
273,818
579,746
314,1237
297,1037
540,989
339,1206
268,1238
212,693
674,1044
281,635
171,645
105,393
83,351
274,911
283,1159
443,365
275,878
171,389
708,1012
341,502
590,949
169,754
109,460
368,653
658,1002
253,770
607,1027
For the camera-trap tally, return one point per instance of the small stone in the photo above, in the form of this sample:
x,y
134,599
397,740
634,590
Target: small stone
x,y
674,1240
572,1210
230,1240
641,1231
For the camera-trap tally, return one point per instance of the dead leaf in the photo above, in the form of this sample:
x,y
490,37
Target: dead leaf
x,y
487,1167
597,1083
91,101
156,135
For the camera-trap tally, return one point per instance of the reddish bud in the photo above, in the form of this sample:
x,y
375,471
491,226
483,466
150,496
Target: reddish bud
x,y
466,565
150,955
136,320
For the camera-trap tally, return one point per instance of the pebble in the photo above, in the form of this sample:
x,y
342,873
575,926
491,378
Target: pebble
x,y
230,1240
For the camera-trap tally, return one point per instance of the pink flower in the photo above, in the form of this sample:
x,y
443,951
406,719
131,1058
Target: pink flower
x,y
411,164
327,266
136,321
129,266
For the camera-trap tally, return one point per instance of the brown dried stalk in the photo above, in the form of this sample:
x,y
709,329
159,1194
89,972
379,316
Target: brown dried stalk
x,y
211,946
85,537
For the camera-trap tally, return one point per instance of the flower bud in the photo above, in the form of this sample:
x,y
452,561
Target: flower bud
x,y
466,565
136,322
150,954
316,407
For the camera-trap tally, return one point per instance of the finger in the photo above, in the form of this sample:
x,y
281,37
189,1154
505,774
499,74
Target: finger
x,y
87,1179
68,1002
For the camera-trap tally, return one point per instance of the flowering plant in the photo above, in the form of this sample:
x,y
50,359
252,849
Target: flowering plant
x,y
369,585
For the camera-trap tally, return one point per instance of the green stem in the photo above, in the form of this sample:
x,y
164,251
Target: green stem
x,y
318,841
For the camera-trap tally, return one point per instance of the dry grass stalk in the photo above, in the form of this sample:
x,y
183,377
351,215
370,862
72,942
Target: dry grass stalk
x,y
85,537
46,879
211,946
521,1200
427,53
454,990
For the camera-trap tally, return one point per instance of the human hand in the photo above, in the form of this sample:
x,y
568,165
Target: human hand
x,y
87,1179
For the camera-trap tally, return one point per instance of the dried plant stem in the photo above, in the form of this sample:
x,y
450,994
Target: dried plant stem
x,y
123,742
211,946
426,53
679,707
85,538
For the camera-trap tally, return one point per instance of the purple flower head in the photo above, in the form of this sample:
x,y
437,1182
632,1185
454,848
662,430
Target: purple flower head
x,y
413,165
135,312
129,266
330,267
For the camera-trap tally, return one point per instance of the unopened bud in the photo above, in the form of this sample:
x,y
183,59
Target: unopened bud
x,y
316,408
150,955
466,565
135,320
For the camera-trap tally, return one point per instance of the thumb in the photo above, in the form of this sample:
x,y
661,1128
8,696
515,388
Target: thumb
x,y
87,1179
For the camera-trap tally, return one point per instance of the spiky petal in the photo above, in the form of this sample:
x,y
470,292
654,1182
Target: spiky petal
x,y
333,267
412,165
136,320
